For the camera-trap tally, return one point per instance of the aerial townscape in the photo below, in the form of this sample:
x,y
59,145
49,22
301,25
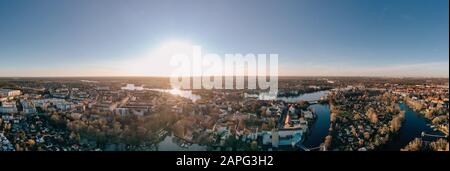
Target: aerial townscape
x,y
146,114
217,76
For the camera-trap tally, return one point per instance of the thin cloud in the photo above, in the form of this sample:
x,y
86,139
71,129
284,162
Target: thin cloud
x,y
432,69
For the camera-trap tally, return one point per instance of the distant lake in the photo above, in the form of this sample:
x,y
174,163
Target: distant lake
x,y
305,97
182,93
89,81
314,96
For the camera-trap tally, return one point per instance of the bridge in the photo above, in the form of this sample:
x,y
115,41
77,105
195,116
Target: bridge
x,y
431,135
308,149
313,102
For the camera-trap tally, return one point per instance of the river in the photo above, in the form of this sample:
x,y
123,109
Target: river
x,y
319,129
182,93
412,128
305,97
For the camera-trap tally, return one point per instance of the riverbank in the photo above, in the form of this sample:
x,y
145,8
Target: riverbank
x,y
412,128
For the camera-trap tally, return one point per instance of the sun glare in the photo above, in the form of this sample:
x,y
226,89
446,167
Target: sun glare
x,y
157,61
170,48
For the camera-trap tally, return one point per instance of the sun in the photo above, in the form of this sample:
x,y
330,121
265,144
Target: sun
x,y
170,48
156,61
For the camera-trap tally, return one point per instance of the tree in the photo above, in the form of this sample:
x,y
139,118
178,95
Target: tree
x,y
401,115
415,145
369,112
367,135
327,143
439,145
303,104
395,124
356,117
271,123
353,130
373,118
377,141
333,117
254,146
436,120
235,143
263,110
429,114
178,129
57,120
383,130
361,142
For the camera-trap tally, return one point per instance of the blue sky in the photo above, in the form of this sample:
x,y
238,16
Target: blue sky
x,y
312,37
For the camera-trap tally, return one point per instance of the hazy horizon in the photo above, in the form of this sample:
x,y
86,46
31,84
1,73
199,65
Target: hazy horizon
x,y
281,76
